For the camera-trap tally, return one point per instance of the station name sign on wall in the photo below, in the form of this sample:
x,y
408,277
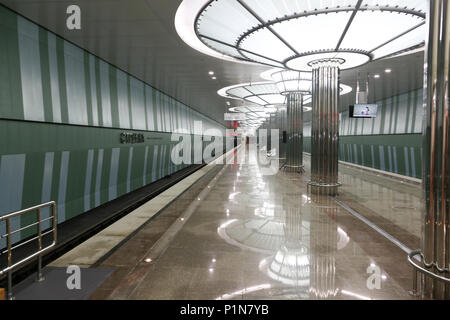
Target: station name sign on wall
x,y
131,138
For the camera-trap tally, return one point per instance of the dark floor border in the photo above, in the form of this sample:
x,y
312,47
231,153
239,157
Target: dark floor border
x,y
373,226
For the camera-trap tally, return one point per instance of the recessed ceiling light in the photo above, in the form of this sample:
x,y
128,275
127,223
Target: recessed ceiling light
x,y
388,70
148,260
211,73
376,76
214,78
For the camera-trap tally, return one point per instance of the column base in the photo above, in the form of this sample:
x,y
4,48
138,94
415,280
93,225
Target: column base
x,y
324,189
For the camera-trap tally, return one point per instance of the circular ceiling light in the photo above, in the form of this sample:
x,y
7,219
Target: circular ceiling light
x,y
267,94
299,33
290,81
233,109
344,89
260,93
245,109
185,20
253,114
271,109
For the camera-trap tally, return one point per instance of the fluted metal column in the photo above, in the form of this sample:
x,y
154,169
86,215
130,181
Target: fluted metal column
x,y
325,128
294,153
283,127
436,138
277,126
271,126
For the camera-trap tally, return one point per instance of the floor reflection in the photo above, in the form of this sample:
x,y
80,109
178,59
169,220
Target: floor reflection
x,y
258,236
324,245
301,243
291,264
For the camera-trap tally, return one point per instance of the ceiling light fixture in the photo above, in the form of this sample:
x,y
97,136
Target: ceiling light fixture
x,y
268,94
289,81
295,81
351,32
260,93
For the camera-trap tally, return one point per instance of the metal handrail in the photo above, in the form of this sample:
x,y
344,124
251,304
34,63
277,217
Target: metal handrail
x,y
418,268
24,228
9,248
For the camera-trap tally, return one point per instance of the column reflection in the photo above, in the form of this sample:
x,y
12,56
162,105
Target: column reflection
x,y
324,245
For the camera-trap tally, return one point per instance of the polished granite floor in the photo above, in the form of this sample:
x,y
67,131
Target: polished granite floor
x,y
238,234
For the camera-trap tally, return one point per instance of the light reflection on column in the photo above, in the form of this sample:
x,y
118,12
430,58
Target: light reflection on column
x,y
324,235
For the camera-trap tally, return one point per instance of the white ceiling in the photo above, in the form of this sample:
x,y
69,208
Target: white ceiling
x,y
139,37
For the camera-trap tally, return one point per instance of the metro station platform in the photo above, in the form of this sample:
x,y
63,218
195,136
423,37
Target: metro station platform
x,y
237,234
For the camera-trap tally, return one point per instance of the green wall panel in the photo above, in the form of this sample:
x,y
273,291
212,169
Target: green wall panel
x,y
45,78
77,105
399,154
62,164
391,142
11,101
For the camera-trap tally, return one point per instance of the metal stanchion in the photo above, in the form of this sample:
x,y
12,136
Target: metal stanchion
x,y
8,245
39,273
11,267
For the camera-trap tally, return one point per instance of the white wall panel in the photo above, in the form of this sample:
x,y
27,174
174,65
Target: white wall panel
x,y
137,104
54,77
30,70
122,100
105,94
75,84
